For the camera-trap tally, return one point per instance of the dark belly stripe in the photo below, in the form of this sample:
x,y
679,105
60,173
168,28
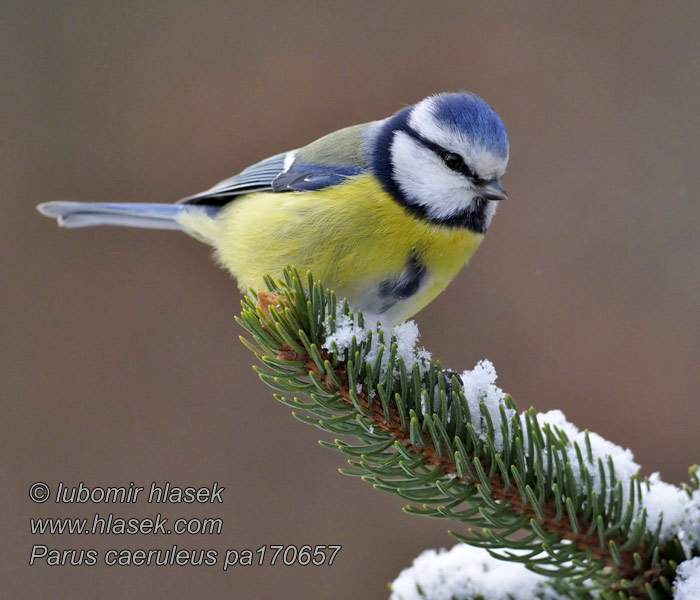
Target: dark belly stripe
x,y
404,286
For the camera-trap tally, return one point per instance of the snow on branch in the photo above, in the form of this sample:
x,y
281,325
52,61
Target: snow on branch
x,y
466,573
529,488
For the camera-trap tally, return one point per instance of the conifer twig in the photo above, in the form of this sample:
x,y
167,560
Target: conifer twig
x,y
508,477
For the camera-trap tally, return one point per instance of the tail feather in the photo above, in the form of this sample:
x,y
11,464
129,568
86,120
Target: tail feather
x,y
127,214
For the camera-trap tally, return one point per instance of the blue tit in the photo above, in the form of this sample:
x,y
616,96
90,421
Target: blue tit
x,y
385,213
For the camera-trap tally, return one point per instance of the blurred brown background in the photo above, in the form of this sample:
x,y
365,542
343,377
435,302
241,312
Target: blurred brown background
x,y
120,355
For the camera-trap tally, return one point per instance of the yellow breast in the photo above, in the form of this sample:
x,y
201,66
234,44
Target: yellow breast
x,y
351,236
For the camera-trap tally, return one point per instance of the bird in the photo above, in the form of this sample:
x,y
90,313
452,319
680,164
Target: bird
x,y
386,213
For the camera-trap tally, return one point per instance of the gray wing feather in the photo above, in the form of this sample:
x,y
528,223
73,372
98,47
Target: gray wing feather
x,y
327,161
256,178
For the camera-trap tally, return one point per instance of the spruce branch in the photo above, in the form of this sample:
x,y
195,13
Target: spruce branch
x,y
524,490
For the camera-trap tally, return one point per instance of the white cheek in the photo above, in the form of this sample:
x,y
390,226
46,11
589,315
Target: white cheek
x,y
425,181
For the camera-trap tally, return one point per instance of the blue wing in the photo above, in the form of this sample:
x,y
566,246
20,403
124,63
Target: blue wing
x,y
313,176
279,173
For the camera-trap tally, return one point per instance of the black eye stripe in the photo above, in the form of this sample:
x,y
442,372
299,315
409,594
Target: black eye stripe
x,y
443,153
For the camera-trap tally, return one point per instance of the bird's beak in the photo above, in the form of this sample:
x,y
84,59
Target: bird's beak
x,y
493,190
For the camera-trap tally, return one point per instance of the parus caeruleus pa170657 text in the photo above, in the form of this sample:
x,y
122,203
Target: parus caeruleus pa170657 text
x,y
385,213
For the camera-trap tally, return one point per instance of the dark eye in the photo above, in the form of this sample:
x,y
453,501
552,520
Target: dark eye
x,y
453,161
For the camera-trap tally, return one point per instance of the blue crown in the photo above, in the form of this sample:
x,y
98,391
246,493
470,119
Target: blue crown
x,y
469,114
